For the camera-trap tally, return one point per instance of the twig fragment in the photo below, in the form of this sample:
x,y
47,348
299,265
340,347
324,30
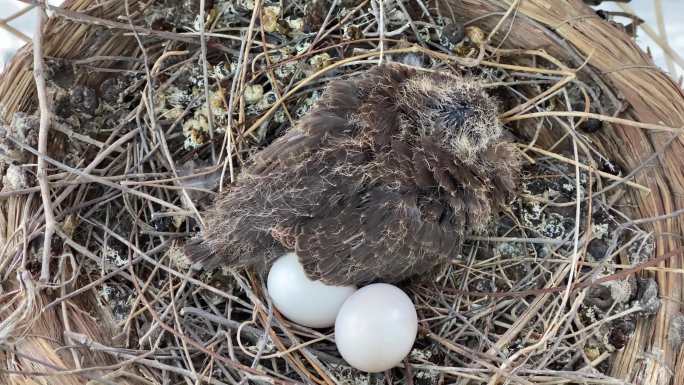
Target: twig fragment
x,y
45,122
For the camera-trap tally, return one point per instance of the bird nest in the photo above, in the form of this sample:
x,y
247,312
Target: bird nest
x,y
154,105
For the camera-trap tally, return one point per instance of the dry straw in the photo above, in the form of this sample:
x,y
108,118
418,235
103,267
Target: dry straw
x,y
55,327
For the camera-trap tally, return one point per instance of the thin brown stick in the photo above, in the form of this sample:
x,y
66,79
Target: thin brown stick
x,y
605,118
45,121
20,35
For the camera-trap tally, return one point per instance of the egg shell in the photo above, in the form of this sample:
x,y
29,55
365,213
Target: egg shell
x,y
302,300
376,327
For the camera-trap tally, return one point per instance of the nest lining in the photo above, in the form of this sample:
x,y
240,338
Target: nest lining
x,y
507,302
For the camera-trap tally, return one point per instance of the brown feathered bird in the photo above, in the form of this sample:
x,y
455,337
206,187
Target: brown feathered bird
x,y
379,182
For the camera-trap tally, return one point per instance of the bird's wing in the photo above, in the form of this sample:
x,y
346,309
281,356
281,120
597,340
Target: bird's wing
x,y
371,234
336,116
239,226
330,118
374,223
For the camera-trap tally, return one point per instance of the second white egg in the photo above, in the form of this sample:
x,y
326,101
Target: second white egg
x,y
376,328
302,300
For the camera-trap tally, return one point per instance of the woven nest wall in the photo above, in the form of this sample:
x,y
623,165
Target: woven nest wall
x,y
641,107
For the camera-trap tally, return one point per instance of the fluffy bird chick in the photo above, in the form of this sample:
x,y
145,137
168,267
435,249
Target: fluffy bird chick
x,y
379,182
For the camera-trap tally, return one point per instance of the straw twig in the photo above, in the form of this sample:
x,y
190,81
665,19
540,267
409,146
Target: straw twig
x,y
45,122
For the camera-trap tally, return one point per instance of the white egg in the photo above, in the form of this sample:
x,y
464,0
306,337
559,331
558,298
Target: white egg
x,y
306,302
376,327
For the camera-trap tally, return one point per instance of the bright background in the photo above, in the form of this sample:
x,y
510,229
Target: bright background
x,y
673,11
25,23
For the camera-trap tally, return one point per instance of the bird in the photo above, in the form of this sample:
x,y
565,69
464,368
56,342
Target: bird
x,y
379,182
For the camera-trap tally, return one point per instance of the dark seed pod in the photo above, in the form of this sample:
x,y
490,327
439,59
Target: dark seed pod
x,y
598,248
600,297
620,332
161,24
453,33
161,224
381,180
591,125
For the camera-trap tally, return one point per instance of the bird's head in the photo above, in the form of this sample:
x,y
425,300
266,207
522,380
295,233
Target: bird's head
x,y
453,111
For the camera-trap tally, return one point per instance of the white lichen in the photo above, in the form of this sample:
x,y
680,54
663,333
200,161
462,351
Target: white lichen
x,y
346,375
177,258
553,226
420,354
222,70
590,313
175,97
269,18
599,231
532,214
117,301
351,32
302,46
279,116
640,252
112,257
15,178
284,68
196,130
427,376
265,345
23,129
296,25
245,4
320,61
424,33
620,290
263,104
253,93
